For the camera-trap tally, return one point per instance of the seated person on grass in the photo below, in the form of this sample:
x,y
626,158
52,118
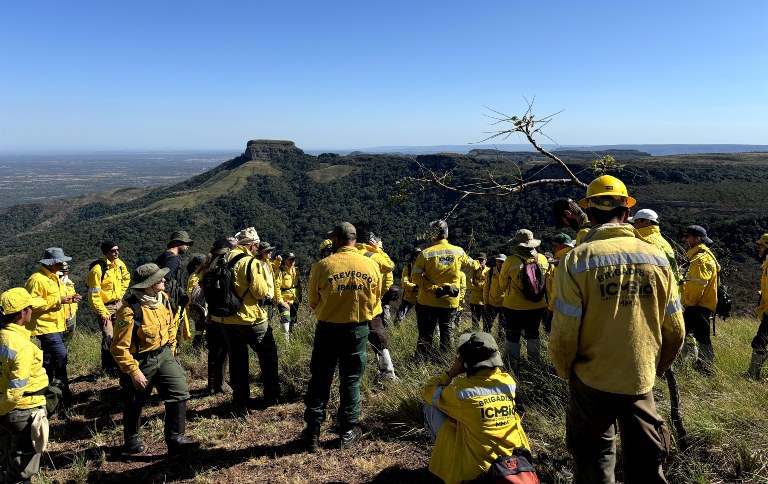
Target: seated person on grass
x,y
471,420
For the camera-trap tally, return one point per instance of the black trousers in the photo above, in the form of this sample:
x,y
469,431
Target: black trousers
x,y
490,314
696,319
259,338
477,316
760,341
427,319
519,321
218,350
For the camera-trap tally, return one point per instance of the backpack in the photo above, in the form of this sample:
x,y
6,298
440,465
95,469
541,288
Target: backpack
x,y
138,315
510,469
218,285
534,282
100,263
724,301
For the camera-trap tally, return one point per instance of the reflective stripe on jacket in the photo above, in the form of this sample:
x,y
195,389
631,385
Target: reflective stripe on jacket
x,y
48,317
111,287
345,287
617,321
511,282
700,283
476,285
762,307
250,312
436,266
483,423
289,285
157,330
21,370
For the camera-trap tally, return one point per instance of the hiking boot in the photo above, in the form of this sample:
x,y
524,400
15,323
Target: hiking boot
x,y
351,436
133,447
311,438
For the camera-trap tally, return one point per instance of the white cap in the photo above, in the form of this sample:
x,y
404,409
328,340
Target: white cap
x,y
645,214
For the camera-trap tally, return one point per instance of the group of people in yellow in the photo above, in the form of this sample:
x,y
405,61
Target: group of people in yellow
x,y
613,302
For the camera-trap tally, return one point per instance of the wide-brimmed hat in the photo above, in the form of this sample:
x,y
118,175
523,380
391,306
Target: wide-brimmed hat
x,y
524,238
482,255
147,275
247,236
699,231
54,255
181,236
264,247
14,300
479,350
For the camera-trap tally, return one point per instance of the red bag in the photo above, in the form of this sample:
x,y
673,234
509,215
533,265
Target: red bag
x,y
511,469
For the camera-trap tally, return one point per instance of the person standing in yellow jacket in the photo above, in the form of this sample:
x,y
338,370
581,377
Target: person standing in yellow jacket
x,y
108,280
409,288
760,341
70,310
344,292
288,293
471,420
436,272
48,323
145,332
249,327
23,381
646,222
699,297
617,325
493,296
475,286
561,245
522,315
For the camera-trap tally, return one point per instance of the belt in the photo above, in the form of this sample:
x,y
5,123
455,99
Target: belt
x,y
151,353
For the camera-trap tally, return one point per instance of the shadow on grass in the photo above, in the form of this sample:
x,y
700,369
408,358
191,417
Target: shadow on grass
x,y
401,475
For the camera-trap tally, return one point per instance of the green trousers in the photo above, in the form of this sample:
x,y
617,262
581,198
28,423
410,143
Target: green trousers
x,y
17,455
345,345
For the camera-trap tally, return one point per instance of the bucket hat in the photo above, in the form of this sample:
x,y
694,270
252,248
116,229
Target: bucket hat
x,y
54,255
181,236
479,350
524,238
147,275
264,247
247,236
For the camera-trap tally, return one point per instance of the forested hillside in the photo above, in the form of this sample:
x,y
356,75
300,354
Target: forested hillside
x,y
293,199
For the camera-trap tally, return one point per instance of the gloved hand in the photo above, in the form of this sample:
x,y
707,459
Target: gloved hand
x,y
440,291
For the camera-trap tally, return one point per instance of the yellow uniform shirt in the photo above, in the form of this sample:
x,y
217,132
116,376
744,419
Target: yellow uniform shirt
x,y
584,229
511,282
21,370
47,316
69,290
156,331
410,289
109,288
476,284
493,294
288,284
345,287
700,283
652,235
617,321
385,264
250,312
483,423
552,277
436,266
762,307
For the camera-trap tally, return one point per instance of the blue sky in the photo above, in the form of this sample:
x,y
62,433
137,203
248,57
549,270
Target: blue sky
x,y
198,75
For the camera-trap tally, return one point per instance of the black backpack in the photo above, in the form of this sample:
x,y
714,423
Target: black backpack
x,y
138,315
533,281
218,285
724,301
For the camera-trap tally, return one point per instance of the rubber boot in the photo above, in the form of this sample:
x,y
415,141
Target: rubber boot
x,y
175,426
756,365
131,430
534,350
707,363
512,355
311,437
286,330
386,368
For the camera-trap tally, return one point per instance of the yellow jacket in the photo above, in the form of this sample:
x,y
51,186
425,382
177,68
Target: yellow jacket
x,y
108,289
510,282
700,283
250,312
762,307
617,321
493,294
410,290
47,317
437,265
288,284
552,277
584,229
69,290
156,331
462,289
652,235
21,370
476,285
385,264
483,423
345,287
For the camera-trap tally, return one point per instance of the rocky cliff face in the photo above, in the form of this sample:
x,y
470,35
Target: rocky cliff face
x,y
270,150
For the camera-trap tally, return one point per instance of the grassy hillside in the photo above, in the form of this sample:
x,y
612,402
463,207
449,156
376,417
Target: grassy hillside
x,y
725,418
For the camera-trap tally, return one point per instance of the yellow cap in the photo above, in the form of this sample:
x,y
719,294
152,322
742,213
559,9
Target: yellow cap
x,y
327,244
763,240
14,300
606,193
